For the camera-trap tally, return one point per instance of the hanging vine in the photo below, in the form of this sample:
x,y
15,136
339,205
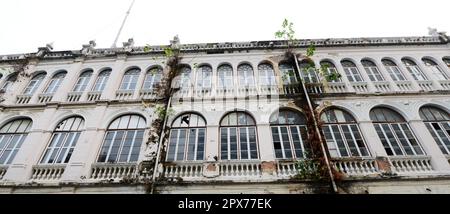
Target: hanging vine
x,y
314,166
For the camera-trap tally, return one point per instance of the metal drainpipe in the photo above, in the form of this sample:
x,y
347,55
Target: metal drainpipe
x,y
317,129
161,138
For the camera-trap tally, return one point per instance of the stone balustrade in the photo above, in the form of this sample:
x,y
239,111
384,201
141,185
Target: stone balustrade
x,y
426,85
45,98
336,87
23,99
183,170
49,172
404,86
124,94
356,166
382,87
113,171
94,96
74,96
360,87
445,84
411,164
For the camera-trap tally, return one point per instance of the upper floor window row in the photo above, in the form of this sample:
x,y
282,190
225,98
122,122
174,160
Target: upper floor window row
x,y
245,75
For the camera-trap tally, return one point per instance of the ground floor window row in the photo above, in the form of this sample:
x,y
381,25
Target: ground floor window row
x,y
237,136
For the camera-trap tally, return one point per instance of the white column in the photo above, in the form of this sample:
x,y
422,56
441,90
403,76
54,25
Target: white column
x,y
80,162
266,150
113,84
438,159
139,84
32,148
212,142
371,138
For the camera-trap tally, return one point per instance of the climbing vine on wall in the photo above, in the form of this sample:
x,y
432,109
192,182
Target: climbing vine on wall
x,y
315,165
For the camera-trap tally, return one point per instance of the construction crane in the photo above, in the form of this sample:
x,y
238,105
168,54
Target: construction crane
x,y
123,24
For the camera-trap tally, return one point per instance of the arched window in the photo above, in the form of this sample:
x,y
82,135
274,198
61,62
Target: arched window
x,y
447,61
266,75
101,81
34,83
187,138
342,134
438,123
330,68
238,139
372,71
435,69
8,83
246,77
185,77
152,78
394,132
83,81
308,72
288,134
204,74
393,70
123,140
12,135
130,79
225,76
55,82
351,71
64,139
287,73
413,69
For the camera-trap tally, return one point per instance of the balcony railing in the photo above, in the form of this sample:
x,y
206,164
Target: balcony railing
x,y
45,98
94,96
3,171
50,172
148,94
382,87
336,87
426,85
445,84
225,92
240,170
360,87
286,169
74,96
183,170
247,91
124,94
294,88
202,93
314,88
23,99
356,166
268,90
411,164
404,86
114,171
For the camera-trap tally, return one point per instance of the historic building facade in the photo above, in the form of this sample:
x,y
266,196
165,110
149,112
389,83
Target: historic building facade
x,y
79,121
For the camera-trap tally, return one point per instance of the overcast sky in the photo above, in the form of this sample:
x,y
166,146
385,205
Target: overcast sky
x,y
29,24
